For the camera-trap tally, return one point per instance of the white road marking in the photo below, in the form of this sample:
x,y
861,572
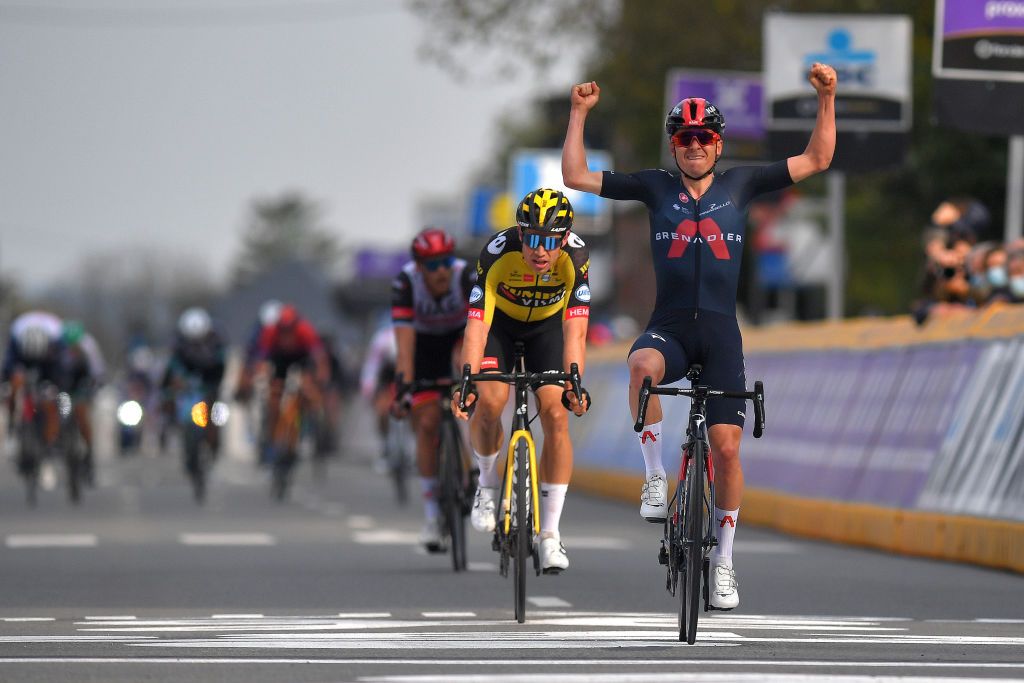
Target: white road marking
x,y
364,615
112,618
683,677
387,537
517,662
548,601
449,615
236,616
999,621
51,541
482,566
596,543
360,522
18,619
225,539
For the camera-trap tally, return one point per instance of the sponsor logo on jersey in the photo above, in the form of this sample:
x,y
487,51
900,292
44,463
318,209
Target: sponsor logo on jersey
x,y
710,234
683,197
475,314
496,245
532,297
578,312
575,241
583,293
476,294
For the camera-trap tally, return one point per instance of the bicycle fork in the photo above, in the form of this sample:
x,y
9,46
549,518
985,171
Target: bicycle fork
x,y
509,473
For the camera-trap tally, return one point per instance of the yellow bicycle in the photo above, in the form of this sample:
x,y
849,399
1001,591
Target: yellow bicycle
x,y
517,522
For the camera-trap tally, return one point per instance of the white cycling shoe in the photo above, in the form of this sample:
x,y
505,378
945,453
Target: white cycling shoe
x,y
654,499
552,555
430,536
724,589
482,514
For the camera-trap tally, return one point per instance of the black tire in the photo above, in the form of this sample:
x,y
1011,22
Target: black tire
x,y
692,543
521,540
73,464
282,475
452,493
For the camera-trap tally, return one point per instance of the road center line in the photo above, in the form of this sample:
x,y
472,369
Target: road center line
x,y
548,601
448,615
51,541
222,539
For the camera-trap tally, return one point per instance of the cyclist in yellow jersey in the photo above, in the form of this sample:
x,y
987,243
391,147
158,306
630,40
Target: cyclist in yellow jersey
x,y
532,287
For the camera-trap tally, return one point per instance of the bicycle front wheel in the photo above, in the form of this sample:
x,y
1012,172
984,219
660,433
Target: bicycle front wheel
x,y
692,543
453,493
521,537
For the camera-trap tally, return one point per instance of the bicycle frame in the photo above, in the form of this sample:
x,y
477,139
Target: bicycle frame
x,y
507,540
689,527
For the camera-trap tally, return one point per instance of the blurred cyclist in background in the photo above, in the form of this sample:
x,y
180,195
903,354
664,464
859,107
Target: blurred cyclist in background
x,y
291,342
429,303
198,355
377,383
81,369
33,352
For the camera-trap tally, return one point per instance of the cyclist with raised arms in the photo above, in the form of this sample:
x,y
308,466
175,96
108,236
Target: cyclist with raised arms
x,y
429,301
532,286
698,224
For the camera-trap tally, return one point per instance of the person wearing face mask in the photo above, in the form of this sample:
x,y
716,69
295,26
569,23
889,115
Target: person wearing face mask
x,y
1015,268
996,272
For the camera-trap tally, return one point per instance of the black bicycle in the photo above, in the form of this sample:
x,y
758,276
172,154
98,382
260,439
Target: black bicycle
x,y
689,535
517,523
455,481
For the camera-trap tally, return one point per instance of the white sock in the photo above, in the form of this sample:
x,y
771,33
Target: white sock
x,y
725,531
487,464
552,498
429,485
650,446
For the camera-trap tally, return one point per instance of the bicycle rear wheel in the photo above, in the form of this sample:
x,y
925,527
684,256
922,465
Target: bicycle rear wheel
x,y
523,530
692,543
452,493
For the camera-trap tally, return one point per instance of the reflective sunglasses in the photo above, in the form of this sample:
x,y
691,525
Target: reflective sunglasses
x,y
684,137
433,264
550,242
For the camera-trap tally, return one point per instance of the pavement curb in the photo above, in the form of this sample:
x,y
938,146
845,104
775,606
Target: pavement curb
x,y
987,542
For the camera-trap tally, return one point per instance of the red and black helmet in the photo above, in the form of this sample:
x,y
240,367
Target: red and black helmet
x,y
694,112
431,243
288,318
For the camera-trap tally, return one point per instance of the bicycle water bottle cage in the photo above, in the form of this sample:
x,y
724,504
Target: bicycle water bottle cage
x,y
693,373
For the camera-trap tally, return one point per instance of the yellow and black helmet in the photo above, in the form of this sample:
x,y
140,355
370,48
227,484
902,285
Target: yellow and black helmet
x,y
545,210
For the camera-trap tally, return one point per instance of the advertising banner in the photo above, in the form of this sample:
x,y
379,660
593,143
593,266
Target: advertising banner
x,y
979,40
871,56
739,95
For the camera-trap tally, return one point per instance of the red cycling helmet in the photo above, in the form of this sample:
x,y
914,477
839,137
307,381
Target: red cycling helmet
x,y
432,243
288,318
694,112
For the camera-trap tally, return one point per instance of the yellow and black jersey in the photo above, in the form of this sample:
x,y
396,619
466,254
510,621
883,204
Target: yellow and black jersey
x,y
504,282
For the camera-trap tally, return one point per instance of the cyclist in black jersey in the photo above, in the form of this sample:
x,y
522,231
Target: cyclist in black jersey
x,y
532,287
698,224
429,301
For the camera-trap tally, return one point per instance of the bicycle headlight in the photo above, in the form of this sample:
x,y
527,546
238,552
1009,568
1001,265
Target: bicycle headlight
x,y
64,403
219,413
129,413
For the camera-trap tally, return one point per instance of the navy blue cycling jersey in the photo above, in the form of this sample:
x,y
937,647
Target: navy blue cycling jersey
x,y
697,260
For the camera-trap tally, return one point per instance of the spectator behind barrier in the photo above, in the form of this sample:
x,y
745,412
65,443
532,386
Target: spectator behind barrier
x,y
1015,268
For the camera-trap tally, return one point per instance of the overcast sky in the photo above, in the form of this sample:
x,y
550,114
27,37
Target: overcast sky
x,y
120,126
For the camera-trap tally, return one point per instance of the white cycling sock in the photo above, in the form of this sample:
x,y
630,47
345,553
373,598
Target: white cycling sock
x,y
725,531
429,485
488,476
552,498
650,446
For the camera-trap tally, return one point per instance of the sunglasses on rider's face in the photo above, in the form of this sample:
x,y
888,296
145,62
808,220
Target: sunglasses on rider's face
x,y
549,242
433,264
684,137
